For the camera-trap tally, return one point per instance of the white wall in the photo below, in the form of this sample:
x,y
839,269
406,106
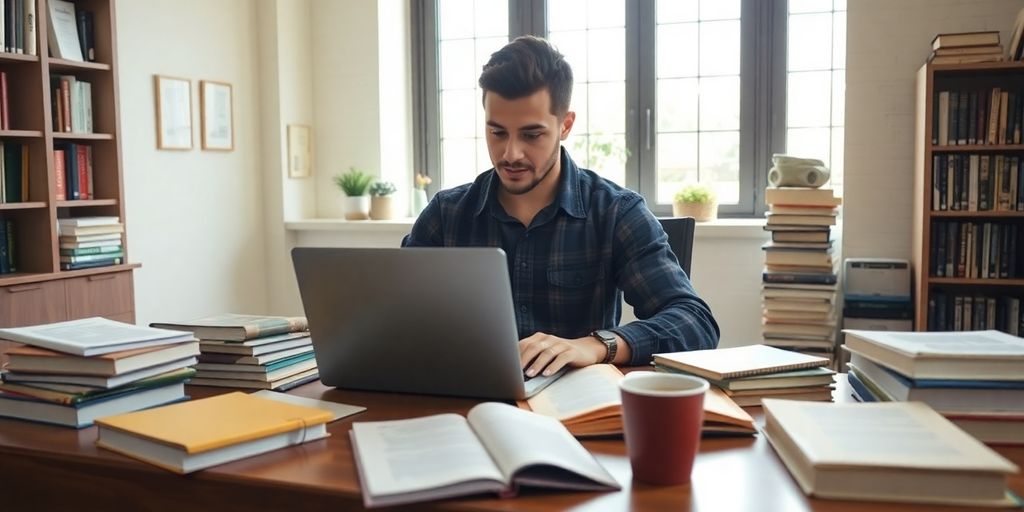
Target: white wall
x,y
194,218
887,43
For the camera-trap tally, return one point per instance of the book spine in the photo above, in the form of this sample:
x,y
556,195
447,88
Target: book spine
x,y
83,172
80,20
5,105
5,261
19,26
30,27
12,249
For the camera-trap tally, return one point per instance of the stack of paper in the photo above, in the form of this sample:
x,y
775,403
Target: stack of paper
x,y
73,372
251,351
799,280
748,374
975,378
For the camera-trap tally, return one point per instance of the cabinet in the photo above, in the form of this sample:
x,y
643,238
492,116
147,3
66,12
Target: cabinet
x,y
39,291
968,229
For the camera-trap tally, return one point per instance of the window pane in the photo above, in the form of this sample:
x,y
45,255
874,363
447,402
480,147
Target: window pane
x,y
720,103
580,104
491,18
567,15
485,47
457,64
604,154
839,41
605,13
810,42
799,6
677,163
809,99
675,11
677,105
607,111
573,45
676,50
460,161
607,54
809,143
836,163
719,10
457,114
455,19
720,164
839,98
720,48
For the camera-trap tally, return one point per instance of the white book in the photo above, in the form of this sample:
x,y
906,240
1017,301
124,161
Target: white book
x,y
495,448
84,415
63,30
891,451
90,221
981,355
30,27
93,336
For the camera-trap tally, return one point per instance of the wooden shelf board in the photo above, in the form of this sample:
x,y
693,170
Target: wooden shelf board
x,y
79,203
76,65
978,282
29,277
28,205
82,136
982,215
18,57
21,133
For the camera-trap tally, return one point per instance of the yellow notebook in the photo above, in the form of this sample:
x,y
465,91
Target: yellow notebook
x,y
210,431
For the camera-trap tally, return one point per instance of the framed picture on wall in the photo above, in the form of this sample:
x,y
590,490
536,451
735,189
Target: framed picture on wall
x,y
218,124
173,112
300,151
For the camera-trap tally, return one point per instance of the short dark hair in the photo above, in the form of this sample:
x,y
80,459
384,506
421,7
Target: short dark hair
x,y
525,66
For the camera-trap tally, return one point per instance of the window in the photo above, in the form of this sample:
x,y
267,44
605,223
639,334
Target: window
x,y
666,91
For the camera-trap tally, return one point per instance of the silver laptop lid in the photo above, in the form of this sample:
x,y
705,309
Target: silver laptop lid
x,y
420,320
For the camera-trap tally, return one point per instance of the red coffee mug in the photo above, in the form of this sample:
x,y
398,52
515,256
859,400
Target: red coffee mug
x,y
662,414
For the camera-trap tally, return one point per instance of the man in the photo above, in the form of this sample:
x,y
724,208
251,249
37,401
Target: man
x,y
575,241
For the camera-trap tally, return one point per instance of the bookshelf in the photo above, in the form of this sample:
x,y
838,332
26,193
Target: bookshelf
x,y
39,291
967,247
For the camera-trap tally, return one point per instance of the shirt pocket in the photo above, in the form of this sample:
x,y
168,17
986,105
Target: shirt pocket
x,y
574,285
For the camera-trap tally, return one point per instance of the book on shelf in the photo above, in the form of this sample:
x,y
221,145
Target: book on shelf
x,y
83,414
588,402
496,448
70,394
981,355
105,262
86,34
90,230
98,249
39,360
817,376
93,336
729,363
890,452
89,221
257,346
948,40
996,55
63,30
193,435
799,196
235,327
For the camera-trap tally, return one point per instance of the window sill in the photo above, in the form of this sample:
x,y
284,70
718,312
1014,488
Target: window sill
x,y
718,228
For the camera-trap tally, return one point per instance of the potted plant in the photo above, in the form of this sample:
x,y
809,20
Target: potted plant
x,y
697,200
380,200
354,185
419,193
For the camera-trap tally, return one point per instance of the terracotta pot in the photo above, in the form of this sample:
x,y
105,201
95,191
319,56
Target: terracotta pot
x,y
380,208
357,207
701,212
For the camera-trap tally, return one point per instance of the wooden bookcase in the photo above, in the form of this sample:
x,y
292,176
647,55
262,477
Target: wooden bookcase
x,y
39,291
932,289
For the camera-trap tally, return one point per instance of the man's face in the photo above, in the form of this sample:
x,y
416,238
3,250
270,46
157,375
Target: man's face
x,y
523,138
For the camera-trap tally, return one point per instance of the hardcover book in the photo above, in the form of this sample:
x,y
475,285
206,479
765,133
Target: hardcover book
x,y
981,355
235,327
93,336
730,363
40,360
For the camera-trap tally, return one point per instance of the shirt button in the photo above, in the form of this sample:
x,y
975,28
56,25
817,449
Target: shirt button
x,y
522,308
523,264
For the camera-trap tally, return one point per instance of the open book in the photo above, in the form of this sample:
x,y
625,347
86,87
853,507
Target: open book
x,y
588,402
495,448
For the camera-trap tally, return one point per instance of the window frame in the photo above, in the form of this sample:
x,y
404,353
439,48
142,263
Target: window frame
x,y
763,40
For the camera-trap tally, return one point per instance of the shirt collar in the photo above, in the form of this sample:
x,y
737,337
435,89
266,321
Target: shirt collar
x,y
569,196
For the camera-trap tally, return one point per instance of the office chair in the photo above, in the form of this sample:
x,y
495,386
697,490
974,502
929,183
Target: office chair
x,y
680,238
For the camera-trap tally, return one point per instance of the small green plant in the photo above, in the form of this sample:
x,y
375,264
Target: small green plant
x,y
382,189
698,193
353,183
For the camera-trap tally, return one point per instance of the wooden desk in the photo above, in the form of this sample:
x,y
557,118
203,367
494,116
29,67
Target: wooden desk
x,y
53,468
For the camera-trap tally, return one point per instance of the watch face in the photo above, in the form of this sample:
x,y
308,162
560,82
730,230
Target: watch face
x,y
604,335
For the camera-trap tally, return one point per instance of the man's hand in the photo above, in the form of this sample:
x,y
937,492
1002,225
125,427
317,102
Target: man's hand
x,y
547,353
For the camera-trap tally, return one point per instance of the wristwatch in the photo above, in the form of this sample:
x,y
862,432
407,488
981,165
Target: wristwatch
x,y
608,338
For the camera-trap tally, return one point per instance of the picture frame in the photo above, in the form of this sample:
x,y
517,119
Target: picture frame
x,y
173,112
300,151
217,125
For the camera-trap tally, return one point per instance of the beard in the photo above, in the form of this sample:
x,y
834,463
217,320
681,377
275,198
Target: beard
x,y
517,188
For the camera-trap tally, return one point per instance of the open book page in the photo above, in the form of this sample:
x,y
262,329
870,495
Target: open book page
x,y
580,392
405,456
536,450
720,410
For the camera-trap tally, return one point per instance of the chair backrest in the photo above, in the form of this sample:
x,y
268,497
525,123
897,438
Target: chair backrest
x,y
680,238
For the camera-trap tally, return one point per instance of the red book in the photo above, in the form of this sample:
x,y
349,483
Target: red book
x,y
5,118
58,170
81,153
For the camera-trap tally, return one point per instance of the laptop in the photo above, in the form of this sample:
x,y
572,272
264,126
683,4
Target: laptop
x,y
414,320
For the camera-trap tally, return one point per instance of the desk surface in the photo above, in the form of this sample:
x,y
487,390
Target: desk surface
x,y
44,468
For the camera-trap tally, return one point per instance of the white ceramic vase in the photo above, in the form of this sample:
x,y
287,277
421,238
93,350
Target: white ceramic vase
x,y
357,207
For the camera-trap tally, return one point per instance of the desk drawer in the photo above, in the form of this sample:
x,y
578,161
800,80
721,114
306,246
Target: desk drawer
x,y
32,303
100,295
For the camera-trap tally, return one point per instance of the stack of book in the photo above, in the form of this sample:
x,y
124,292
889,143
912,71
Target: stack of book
x,y
70,373
799,280
749,373
251,351
965,47
975,379
87,242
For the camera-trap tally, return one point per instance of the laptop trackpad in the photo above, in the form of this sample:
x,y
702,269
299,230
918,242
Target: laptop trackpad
x,y
536,384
